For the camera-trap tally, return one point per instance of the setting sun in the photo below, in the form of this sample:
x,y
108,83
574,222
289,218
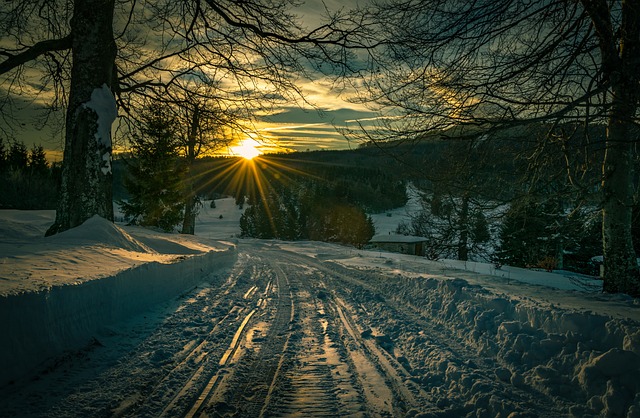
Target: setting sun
x,y
247,148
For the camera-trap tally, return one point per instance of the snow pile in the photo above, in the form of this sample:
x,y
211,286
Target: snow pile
x,y
57,292
25,225
104,233
558,352
581,357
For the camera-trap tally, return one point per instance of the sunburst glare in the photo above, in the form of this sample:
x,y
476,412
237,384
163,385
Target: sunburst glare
x,y
248,149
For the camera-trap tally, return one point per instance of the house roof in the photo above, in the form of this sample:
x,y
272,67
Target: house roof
x,y
394,238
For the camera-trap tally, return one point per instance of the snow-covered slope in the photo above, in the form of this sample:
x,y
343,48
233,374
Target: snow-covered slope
x,y
388,221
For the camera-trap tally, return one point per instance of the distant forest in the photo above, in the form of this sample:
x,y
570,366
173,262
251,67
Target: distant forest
x,y
362,177
27,179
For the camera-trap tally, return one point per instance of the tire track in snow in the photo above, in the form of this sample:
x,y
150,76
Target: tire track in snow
x,y
318,381
381,376
196,362
246,390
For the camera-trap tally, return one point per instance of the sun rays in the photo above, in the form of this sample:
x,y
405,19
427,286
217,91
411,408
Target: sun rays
x,y
251,177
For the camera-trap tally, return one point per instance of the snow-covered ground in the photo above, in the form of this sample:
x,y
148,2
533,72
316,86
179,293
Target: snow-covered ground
x,y
388,221
111,320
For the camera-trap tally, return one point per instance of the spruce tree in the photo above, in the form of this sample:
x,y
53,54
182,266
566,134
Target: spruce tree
x,y
37,162
18,157
155,173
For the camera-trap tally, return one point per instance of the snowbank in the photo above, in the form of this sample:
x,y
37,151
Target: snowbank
x,y
56,293
590,359
45,324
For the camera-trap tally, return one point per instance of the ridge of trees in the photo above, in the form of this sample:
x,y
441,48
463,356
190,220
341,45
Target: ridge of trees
x,y
27,179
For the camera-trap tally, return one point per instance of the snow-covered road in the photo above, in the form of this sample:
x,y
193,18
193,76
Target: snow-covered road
x,y
283,332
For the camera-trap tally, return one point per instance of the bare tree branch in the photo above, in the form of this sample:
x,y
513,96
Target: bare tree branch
x,y
33,52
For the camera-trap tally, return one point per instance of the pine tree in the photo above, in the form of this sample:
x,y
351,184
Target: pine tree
x,y
18,157
37,162
3,157
531,234
480,229
155,173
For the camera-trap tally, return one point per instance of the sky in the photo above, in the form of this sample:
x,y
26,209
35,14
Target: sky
x,y
314,126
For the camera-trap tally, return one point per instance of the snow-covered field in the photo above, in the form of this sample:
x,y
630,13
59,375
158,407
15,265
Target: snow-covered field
x,y
109,320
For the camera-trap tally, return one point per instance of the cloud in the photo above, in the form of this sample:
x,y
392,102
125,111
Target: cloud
x,y
326,108
302,129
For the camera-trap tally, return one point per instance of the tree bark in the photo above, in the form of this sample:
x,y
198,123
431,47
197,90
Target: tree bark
x,y
189,222
620,266
86,188
620,61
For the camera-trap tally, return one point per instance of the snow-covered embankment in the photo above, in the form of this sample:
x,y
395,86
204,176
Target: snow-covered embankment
x,y
43,324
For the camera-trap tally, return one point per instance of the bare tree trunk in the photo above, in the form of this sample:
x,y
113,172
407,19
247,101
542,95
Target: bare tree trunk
x,y
189,222
620,266
86,188
463,224
620,55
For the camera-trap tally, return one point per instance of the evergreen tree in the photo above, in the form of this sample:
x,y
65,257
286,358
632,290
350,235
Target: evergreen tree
x,y
26,181
3,157
18,157
15,187
37,163
533,234
155,173
40,187
480,229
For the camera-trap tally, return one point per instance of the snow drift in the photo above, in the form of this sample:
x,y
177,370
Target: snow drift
x,y
586,358
64,314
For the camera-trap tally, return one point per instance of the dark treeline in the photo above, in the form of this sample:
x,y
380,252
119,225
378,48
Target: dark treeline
x,y
360,177
27,179
318,195
526,196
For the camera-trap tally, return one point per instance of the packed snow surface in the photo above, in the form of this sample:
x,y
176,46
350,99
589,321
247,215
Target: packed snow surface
x,y
111,320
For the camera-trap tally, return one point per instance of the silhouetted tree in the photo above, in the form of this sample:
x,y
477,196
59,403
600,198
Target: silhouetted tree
x,y
38,164
459,67
3,156
18,158
156,172
26,180
203,130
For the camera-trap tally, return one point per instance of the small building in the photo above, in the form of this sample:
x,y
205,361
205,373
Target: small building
x,y
403,244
